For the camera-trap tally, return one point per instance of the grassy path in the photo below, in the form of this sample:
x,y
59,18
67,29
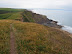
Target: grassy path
x,y
12,42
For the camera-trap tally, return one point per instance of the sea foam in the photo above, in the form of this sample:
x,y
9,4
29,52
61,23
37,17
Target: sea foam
x,y
67,28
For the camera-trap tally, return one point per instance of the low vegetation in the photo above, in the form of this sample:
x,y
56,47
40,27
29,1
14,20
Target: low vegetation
x,y
27,16
5,16
37,39
4,37
15,16
31,38
9,10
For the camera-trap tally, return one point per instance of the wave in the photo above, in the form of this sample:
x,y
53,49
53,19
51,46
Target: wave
x,y
67,28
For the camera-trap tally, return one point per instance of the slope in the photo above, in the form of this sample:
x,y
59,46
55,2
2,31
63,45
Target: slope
x,y
32,38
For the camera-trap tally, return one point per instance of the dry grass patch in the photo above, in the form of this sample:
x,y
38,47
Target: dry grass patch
x,y
32,38
4,37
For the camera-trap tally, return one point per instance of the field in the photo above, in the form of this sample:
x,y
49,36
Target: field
x,y
8,13
8,10
5,16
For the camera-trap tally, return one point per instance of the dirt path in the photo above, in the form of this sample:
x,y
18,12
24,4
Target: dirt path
x,y
12,42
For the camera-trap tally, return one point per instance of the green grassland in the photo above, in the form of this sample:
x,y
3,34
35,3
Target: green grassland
x,y
15,14
5,16
10,13
11,16
11,9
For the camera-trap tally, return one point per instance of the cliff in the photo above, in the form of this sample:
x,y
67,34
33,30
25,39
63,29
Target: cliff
x,y
40,19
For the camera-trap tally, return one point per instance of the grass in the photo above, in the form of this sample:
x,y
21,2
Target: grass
x,y
5,16
12,16
21,15
33,38
4,37
11,9
15,16
28,16
8,13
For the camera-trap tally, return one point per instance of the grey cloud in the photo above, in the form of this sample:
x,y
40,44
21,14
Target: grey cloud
x,y
50,4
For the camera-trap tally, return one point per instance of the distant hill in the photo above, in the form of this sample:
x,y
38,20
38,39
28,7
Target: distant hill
x,y
9,10
25,32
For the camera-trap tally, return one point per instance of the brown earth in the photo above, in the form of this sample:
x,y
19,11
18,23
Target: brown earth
x,y
12,42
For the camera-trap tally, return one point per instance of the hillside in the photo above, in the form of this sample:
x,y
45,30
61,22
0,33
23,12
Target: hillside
x,y
25,32
32,38
8,13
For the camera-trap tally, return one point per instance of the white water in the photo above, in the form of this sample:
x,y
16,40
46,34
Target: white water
x,y
63,17
67,28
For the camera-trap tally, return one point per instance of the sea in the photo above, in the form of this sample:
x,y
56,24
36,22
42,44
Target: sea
x,y
64,17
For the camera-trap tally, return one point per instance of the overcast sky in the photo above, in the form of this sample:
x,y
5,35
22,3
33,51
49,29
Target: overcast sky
x,y
49,4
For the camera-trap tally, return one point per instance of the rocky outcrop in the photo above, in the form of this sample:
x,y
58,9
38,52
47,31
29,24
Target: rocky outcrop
x,y
40,19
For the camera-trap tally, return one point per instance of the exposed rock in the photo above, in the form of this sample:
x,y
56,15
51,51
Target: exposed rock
x,y
41,19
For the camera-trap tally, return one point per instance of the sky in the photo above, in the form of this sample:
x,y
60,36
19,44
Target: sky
x,y
48,4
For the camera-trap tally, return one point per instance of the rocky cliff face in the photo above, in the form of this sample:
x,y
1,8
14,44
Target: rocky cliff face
x,y
40,19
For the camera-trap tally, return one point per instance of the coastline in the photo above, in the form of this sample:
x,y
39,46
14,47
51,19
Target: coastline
x,y
34,34
59,28
42,19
